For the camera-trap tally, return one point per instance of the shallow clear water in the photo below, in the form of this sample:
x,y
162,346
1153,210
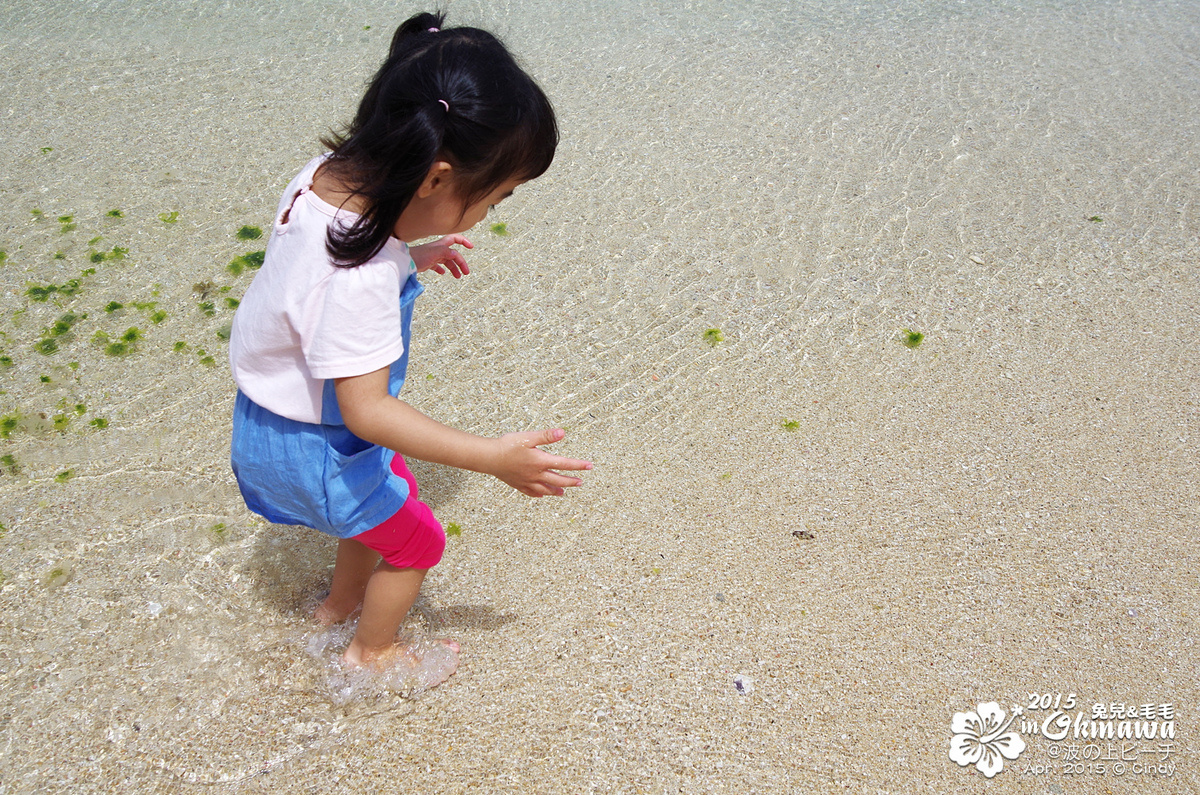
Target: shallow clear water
x,y
1016,180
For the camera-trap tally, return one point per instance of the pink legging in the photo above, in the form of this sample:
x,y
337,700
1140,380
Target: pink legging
x,y
411,538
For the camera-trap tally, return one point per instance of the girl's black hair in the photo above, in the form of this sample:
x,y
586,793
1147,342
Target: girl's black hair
x,y
499,125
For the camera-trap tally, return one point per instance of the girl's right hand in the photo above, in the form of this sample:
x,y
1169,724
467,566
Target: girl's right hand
x,y
531,471
438,257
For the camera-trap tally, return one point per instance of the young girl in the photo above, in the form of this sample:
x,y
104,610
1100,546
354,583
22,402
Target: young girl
x,y
449,126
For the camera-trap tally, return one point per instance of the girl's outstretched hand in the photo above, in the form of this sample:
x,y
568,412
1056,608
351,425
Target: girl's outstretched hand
x,y
520,463
439,257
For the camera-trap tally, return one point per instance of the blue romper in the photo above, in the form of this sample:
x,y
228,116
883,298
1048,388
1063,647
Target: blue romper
x,y
320,476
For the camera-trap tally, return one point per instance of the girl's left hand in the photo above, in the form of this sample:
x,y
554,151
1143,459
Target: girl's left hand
x,y
439,257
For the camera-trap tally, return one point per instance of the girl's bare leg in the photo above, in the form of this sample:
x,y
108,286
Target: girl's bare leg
x,y
353,569
389,595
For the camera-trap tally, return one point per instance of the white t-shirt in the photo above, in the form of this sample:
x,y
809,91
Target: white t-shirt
x,y
303,320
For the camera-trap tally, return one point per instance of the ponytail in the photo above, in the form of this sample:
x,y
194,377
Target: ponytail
x,y
455,95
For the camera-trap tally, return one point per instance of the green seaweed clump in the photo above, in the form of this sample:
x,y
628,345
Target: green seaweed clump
x,y
6,360
117,253
9,423
219,533
169,218
60,575
453,529
249,233
64,476
99,423
248,261
790,425
47,346
713,336
225,332
113,306
66,223
125,345
41,294
115,213
10,465
208,308
62,422
500,229
1095,219
63,325
910,338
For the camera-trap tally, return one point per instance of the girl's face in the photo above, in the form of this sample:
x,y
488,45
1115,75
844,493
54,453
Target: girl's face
x,y
437,209
474,213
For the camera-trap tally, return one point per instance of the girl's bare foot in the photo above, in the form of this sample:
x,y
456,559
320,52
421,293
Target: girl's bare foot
x,y
430,663
327,613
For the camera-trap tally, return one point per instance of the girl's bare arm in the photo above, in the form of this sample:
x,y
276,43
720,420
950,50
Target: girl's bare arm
x,y
372,414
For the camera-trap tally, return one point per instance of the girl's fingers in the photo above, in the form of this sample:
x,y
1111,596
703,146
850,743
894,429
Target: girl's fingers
x,y
452,240
548,436
557,480
574,464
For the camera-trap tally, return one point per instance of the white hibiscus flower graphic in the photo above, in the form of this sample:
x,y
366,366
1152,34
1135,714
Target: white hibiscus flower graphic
x,y
980,738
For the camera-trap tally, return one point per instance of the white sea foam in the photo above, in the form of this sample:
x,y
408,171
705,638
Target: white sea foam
x,y
343,684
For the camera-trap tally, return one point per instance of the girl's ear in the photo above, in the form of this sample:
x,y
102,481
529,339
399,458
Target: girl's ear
x,y
437,179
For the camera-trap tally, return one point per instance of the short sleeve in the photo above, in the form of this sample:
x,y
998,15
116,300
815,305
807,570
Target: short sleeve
x,y
353,321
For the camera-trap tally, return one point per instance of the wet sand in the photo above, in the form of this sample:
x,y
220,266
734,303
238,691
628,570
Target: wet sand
x,y
872,536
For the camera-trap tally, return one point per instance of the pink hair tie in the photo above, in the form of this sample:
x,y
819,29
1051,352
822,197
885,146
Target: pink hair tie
x,y
445,104
434,30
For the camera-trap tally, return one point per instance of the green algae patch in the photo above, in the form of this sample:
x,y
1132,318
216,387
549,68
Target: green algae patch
x,y
713,336
248,261
124,345
910,338
9,423
58,576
